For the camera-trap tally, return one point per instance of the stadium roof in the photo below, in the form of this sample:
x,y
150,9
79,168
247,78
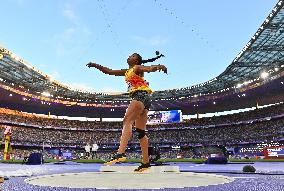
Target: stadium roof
x,y
19,73
263,53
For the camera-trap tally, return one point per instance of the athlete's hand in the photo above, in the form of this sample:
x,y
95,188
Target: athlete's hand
x,y
91,64
163,68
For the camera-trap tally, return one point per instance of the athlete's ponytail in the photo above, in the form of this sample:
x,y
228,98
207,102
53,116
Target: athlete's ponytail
x,y
153,59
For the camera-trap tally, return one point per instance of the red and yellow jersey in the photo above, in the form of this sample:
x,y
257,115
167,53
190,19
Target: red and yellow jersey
x,y
136,82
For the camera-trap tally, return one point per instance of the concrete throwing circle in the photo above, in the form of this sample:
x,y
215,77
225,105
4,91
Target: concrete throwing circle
x,y
115,180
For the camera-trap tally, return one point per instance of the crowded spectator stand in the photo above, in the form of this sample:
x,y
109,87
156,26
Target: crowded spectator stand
x,y
194,138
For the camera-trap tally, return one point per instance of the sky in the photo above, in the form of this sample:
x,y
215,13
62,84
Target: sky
x,y
198,38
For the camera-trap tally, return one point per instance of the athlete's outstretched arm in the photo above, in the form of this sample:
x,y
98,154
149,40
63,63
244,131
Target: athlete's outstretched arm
x,y
152,68
107,70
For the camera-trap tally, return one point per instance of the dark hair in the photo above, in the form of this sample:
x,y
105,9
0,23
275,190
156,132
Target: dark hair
x,y
153,59
141,61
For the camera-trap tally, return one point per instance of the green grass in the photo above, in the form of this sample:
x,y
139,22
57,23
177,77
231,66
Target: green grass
x,y
256,160
20,161
198,161
12,161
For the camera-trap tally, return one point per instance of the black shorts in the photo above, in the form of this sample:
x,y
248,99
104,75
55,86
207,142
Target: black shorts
x,y
142,96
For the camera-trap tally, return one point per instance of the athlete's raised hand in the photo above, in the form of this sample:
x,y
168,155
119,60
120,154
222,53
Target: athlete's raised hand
x,y
91,64
162,68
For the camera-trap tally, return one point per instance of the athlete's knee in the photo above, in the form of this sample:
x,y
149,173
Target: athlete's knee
x,y
141,133
127,132
127,121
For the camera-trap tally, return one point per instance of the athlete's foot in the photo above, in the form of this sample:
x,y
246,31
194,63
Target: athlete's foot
x,y
142,167
116,158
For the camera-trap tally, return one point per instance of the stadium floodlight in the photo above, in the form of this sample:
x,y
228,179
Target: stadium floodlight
x,y
239,85
46,94
50,78
264,75
29,66
17,58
